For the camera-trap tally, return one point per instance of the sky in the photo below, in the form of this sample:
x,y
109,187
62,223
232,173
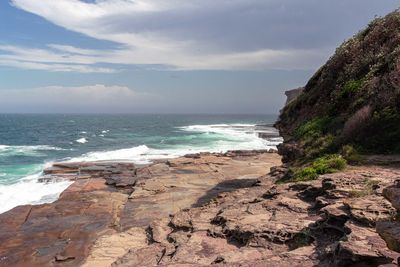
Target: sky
x,y
168,56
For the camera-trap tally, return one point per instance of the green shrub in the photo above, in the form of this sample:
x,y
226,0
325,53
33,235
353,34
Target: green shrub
x,y
305,174
351,155
313,128
319,146
327,164
351,87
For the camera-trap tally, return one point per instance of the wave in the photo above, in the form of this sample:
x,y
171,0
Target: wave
x,y
216,138
132,154
29,191
190,139
82,140
9,150
37,147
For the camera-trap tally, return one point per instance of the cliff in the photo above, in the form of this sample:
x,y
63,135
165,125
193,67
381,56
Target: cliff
x,y
293,94
349,113
353,100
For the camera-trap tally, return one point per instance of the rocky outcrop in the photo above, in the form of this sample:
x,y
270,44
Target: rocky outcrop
x,y
389,229
293,94
328,222
111,207
349,110
207,209
353,99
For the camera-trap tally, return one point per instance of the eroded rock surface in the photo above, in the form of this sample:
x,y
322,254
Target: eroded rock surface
x,y
108,209
328,222
207,209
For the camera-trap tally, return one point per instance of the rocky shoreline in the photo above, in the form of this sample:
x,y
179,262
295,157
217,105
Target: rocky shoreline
x,y
111,206
207,209
303,207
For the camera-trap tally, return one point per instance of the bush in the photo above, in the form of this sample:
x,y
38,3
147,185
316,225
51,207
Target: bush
x,y
356,122
351,155
329,164
313,128
305,174
323,165
351,87
319,146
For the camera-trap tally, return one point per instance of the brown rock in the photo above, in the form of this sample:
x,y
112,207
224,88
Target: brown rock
x,y
370,210
364,247
393,195
390,232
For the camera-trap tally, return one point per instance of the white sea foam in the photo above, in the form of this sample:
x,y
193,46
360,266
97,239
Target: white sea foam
x,y
26,150
132,154
38,147
29,191
82,140
236,136
229,137
223,137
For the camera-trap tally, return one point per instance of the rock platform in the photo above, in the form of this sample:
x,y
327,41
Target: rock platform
x,y
208,210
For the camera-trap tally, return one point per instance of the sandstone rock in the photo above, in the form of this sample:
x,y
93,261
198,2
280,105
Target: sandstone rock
x,y
147,256
390,232
108,248
202,210
370,210
363,247
290,152
393,195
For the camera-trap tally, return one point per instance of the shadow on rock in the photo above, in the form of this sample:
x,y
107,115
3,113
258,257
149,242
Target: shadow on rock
x,y
225,186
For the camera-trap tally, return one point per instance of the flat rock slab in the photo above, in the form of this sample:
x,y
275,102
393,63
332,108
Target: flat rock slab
x,y
115,202
207,209
63,231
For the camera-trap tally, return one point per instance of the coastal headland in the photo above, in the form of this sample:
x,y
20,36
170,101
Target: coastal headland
x,y
331,197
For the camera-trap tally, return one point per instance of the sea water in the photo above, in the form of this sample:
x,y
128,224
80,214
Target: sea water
x,y
29,143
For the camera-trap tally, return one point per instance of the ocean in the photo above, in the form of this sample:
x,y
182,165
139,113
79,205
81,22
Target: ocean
x,y
29,143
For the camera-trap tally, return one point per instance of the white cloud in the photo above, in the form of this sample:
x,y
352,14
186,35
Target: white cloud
x,y
199,34
92,98
162,32
55,58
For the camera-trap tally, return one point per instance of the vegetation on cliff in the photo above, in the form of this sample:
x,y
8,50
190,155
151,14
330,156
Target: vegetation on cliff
x,y
352,104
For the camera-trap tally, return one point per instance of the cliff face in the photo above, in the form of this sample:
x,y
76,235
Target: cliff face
x,y
354,99
293,94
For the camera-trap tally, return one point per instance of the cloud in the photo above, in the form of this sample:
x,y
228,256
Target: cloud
x,y
92,98
55,58
202,34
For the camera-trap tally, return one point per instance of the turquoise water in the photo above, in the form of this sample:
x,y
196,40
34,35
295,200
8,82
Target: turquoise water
x,y
30,142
